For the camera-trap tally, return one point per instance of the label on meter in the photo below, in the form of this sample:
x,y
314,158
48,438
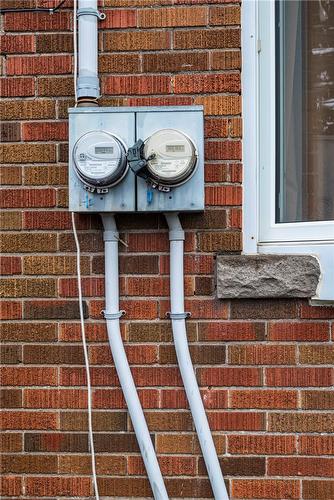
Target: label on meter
x,y
99,159
172,156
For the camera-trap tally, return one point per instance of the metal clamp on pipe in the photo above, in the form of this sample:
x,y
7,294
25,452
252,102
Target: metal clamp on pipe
x,y
116,315
182,315
89,11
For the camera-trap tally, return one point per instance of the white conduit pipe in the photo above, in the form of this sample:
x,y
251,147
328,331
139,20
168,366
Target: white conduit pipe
x,y
88,81
112,315
178,315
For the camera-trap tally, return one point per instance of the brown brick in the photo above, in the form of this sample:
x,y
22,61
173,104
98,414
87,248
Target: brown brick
x,y
225,15
53,354
229,376
11,486
55,86
170,466
113,398
207,39
205,83
63,153
62,198
10,175
238,466
263,309
37,21
57,265
262,355
52,220
316,354
321,490
28,242
136,309
10,354
10,398
136,40
28,420
168,17
28,332
27,110
242,421
200,354
10,442
28,153
53,309
54,42
149,332
262,444
301,422
314,312
300,466
131,264
227,59
22,198
302,377
64,486
52,175
309,332
44,131
128,487
263,399
22,287
21,464
204,285
105,421
137,84
10,309
137,354
181,443
17,87
265,488
55,442
89,242
318,400
220,105
10,132
231,331
119,63
316,445
219,241
17,44
10,265
175,61
81,464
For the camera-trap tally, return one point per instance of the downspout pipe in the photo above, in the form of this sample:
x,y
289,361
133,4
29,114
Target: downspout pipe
x,y
88,86
178,316
112,315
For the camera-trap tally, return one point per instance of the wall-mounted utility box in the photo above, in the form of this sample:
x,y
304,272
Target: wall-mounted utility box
x,y
165,144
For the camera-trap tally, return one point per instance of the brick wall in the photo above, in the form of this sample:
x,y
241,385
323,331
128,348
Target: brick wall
x,y
263,366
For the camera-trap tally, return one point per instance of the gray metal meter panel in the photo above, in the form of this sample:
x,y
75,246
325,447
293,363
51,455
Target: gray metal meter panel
x,y
99,177
174,149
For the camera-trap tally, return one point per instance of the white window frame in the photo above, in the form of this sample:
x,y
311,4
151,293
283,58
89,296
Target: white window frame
x,y
261,233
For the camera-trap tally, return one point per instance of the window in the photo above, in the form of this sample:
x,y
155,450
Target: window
x,y
288,107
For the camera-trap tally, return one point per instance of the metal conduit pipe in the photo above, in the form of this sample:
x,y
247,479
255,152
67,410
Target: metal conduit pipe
x,y
178,315
112,315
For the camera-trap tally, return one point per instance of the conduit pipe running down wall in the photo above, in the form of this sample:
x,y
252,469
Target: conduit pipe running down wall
x,y
112,315
178,315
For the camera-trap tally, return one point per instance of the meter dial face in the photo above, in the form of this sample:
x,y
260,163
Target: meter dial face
x,y
99,159
171,156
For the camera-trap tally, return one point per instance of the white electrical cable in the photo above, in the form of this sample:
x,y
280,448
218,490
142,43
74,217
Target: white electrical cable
x,y
84,343
75,51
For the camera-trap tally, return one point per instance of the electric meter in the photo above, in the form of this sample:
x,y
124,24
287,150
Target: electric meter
x,y
171,157
99,160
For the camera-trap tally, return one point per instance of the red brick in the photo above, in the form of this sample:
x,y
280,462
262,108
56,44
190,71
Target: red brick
x,y
223,195
23,198
120,19
262,355
168,17
135,309
263,399
212,398
223,150
234,421
215,127
10,309
220,105
137,354
55,398
10,486
316,445
205,83
71,332
50,486
229,376
10,265
37,131
37,21
21,464
235,221
28,420
265,488
302,377
199,308
227,59
225,15
215,172
137,84
91,287
16,44
114,398
307,332
10,442
300,466
262,444
23,376
316,312
169,465
231,331
17,87
39,65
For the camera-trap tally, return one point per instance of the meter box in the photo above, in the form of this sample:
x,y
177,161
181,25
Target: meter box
x,y
172,153
100,179
145,159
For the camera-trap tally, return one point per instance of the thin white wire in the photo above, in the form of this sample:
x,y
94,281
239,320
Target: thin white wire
x,y
75,51
84,343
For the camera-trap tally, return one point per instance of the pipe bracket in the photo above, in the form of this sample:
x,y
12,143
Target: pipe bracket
x,y
183,315
110,236
89,11
176,235
109,316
